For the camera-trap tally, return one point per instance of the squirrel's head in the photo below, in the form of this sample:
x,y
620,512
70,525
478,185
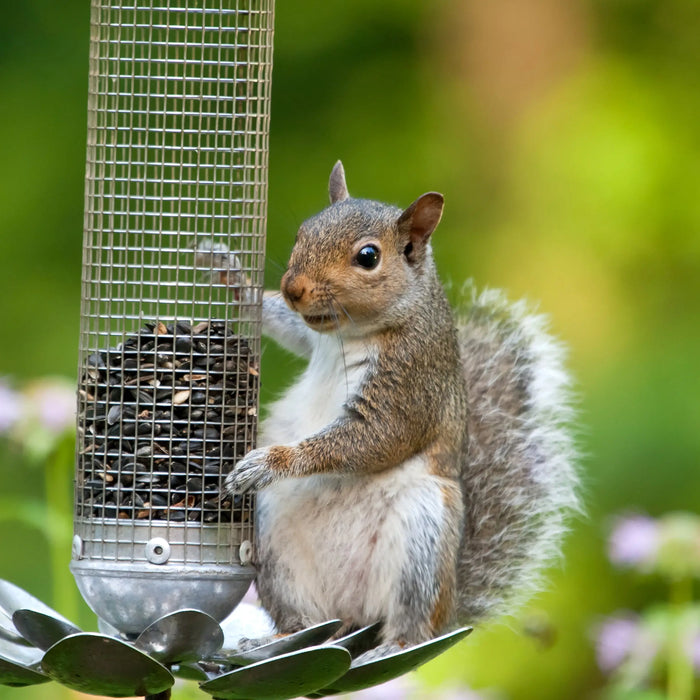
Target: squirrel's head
x,y
359,265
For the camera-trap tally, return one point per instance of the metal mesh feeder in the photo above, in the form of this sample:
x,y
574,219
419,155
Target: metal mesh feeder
x,y
176,188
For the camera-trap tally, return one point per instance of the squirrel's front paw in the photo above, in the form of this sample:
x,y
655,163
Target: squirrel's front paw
x,y
252,472
258,469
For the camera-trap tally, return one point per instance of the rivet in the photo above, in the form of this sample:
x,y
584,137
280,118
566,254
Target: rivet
x,y
245,552
158,550
77,548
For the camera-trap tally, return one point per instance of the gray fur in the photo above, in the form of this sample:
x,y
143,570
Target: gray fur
x,y
283,325
520,485
420,471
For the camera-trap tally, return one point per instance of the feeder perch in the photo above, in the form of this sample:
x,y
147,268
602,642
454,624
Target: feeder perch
x,y
37,645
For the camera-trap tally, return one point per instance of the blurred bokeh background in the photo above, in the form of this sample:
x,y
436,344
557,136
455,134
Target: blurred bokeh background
x,y
565,137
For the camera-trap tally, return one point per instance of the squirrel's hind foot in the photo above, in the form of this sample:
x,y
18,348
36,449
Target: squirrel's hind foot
x,y
246,644
379,652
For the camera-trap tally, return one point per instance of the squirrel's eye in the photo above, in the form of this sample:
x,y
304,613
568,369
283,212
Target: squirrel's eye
x,y
368,257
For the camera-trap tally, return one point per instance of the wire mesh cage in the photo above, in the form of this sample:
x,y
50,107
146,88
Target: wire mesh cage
x,y
176,188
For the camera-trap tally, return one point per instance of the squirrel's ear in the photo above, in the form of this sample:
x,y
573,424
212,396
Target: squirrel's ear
x,y
420,220
337,188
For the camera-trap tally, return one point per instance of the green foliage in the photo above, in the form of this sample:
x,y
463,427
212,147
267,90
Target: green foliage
x,y
570,169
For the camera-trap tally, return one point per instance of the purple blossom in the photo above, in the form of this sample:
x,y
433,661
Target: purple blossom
x,y
634,541
694,653
10,407
52,402
616,639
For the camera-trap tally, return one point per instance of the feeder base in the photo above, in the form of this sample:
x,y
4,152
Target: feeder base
x,y
129,597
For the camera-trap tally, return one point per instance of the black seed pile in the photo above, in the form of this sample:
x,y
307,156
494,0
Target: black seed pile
x,y
164,416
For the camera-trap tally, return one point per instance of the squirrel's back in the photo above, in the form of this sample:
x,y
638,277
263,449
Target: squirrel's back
x,y
520,484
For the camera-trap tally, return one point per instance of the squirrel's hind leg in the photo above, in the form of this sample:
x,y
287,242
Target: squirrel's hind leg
x,y
423,602
379,652
425,597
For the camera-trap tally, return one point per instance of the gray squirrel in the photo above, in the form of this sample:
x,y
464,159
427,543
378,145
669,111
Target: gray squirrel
x,y
421,471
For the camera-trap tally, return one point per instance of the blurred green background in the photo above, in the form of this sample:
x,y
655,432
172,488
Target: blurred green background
x,y
565,137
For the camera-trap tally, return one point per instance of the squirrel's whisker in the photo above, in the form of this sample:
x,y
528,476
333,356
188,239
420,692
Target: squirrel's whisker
x,y
344,310
276,264
332,301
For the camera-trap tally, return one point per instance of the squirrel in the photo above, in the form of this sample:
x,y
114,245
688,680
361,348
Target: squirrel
x,y
421,471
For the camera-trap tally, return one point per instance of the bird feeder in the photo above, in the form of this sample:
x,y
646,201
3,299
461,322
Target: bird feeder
x,y
175,205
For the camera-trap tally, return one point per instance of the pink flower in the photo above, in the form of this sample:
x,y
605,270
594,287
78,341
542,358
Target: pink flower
x,y
634,541
616,639
53,403
10,407
36,419
694,653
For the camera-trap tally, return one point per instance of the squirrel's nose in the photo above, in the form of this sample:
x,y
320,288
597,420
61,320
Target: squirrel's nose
x,y
294,287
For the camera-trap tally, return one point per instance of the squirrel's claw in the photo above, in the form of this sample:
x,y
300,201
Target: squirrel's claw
x,y
253,472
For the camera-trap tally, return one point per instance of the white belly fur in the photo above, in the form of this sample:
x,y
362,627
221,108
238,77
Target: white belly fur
x,y
317,398
339,540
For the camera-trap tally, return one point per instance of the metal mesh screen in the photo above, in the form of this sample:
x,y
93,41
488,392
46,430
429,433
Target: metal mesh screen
x,y
176,187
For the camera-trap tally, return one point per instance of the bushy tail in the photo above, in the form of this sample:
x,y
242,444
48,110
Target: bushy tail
x,y
520,484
